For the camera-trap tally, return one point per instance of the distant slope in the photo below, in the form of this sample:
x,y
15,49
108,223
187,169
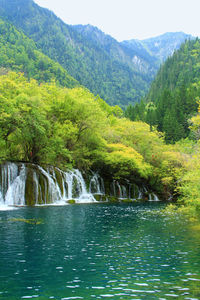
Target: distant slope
x,y
120,73
141,57
164,45
144,64
183,68
157,49
174,93
19,53
85,60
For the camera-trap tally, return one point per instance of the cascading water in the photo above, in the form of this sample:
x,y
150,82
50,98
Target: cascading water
x,y
126,191
96,185
59,187
77,188
29,184
12,187
52,192
132,192
153,197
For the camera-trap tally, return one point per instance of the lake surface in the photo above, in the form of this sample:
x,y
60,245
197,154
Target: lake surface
x,y
98,251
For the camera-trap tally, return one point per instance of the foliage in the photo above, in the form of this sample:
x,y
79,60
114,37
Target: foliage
x,y
48,124
28,221
189,185
174,94
102,64
126,161
19,53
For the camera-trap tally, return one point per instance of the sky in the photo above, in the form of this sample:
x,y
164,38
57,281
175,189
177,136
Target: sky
x,y
130,19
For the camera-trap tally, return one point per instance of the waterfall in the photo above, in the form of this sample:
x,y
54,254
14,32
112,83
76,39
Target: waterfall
x,y
59,187
153,197
52,192
28,184
96,185
12,187
132,192
121,191
77,188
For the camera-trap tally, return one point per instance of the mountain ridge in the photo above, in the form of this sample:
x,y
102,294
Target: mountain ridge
x,y
119,74
19,53
174,94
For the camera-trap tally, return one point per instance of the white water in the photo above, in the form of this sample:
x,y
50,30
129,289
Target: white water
x,y
153,197
12,186
72,187
124,192
97,185
53,186
77,188
52,190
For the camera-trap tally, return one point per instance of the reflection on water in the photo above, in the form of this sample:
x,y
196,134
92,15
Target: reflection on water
x,y
96,252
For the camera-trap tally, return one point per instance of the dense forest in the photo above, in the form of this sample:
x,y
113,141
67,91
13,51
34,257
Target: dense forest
x,y
115,81
99,172
48,124
120,73
172,99
47,117
19,53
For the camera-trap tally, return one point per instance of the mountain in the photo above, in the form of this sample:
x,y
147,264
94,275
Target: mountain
x,y
118,72
172,98
19,53
164,45
154,51
119,51
85,60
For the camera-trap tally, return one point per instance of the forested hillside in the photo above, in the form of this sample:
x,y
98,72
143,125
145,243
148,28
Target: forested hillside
x,y
172,99
19,53
150,53
47,124
164,45
120,73
86,61
132,54
61,123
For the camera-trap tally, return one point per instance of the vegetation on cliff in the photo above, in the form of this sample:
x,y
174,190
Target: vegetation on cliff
x,y
120,73
20,54
44,123
68,126
172,99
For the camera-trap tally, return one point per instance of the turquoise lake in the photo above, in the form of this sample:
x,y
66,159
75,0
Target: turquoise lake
x,y
98,251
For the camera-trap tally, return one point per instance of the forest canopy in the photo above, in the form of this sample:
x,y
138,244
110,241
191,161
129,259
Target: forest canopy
x,y
48,124
172,99
20,54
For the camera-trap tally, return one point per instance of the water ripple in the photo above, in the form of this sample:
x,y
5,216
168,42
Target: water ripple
x,y
98,251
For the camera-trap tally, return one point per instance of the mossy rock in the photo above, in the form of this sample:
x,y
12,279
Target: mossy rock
x,y
145,199
29,188
44,195
146,196
97,197
104,198
59,179
100,198
113,199
72,201
126,200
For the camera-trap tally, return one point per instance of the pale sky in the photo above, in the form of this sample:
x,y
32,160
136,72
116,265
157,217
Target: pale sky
x,y
130,19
